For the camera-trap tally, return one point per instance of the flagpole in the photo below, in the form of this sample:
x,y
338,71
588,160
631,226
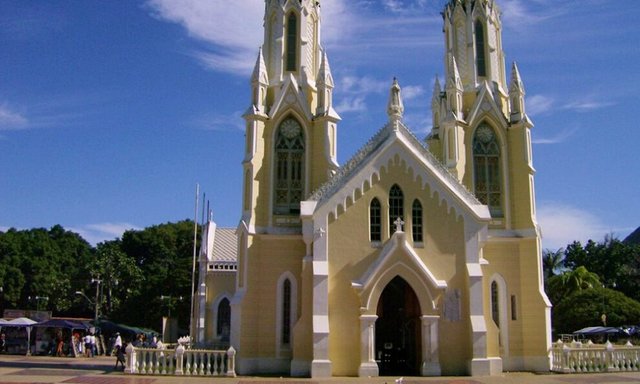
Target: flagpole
x,y
193,271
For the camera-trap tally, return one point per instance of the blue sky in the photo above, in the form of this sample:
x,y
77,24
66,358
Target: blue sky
x,y
112,111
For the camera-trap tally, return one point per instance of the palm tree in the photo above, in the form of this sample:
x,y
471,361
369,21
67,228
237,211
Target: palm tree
x,y
561,286
552,262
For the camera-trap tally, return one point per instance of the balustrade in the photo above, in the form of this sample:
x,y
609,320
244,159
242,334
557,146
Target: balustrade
x,y
180,361
589,358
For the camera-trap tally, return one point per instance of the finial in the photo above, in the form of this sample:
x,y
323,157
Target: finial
x,y
398,223
395,107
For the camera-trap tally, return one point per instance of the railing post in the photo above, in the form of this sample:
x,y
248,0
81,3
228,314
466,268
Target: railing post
x,y
179,359
565,359
231,362
130,364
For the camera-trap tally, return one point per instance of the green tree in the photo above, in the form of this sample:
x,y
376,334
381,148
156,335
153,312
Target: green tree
x,y
616,263
164,254
584,308
569,282
120,277
552,262
43,263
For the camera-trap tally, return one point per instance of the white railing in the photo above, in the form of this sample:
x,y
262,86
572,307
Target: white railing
x,y
576,357
180,361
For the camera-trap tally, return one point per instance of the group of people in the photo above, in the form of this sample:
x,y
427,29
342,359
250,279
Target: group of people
x,y
86,345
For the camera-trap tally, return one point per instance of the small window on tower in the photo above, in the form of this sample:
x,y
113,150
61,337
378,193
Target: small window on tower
x,y
292,41
480,50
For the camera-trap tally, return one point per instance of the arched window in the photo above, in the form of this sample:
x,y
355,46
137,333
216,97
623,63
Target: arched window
x,y
285,335
486,162
495,303
224,320
292,41
480,50
286,313
375,220
396,203
289,164
416,222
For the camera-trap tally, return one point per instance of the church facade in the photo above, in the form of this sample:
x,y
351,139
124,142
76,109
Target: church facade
x,y
415,257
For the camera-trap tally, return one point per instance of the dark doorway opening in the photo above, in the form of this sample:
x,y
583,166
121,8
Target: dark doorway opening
x,y
398,330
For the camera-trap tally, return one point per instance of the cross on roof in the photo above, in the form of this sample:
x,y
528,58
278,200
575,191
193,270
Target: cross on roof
x,y
398,223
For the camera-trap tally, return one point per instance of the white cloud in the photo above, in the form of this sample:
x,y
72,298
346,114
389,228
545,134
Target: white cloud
x,y
221,122
411,92
563,224
586,105
351,104
11,119
558,138
232,30
539,104
521,14
96,233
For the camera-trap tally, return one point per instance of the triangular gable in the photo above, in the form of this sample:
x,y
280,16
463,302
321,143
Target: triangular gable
x,y
388,146
410,267
485,104
291,97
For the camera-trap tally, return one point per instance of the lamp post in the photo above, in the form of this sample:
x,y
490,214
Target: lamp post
x,y
80,293
37,299
97,301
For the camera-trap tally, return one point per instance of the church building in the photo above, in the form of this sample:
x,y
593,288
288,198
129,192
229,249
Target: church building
x,y
416,257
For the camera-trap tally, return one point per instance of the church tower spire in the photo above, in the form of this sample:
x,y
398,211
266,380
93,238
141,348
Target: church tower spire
x,y
481,132
291,126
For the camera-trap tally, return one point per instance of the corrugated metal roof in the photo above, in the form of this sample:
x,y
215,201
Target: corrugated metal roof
x,y
225,245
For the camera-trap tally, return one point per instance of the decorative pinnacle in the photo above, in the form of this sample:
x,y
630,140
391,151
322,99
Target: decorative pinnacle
x,y
395,107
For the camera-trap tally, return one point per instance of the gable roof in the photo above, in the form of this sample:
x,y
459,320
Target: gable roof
x,y
225,246
391,133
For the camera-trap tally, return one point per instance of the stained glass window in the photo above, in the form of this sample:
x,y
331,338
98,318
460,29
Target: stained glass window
x,y
396,203
375,220
416,222
289,172
486,159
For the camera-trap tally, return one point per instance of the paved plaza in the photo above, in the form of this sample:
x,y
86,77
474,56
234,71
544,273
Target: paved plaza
x,y
37,370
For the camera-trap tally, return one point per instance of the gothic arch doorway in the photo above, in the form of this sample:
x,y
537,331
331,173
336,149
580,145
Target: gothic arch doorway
x,y
398,330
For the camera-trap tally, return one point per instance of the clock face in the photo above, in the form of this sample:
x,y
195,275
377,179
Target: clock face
x,y
484,134
290,129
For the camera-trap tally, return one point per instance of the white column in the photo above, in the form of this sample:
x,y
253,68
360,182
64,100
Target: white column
x,y
368,365
430,346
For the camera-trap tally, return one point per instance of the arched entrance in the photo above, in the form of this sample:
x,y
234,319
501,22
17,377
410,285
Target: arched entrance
x,y
398,330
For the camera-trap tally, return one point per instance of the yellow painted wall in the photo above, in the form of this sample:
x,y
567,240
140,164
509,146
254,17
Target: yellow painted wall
x,y
351,253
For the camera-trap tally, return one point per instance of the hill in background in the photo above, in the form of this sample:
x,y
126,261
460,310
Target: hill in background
x,y
633,238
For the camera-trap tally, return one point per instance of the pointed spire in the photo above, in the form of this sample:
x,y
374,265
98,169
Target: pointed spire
x,y
516,96
260,71
324,74
395,107
437,90
454,80
516,80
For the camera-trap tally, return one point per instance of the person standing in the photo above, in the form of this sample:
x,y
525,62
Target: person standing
x,y
3,343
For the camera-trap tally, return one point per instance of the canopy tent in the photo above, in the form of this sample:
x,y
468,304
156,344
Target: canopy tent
x,y
62,323
128,332
599,331
27,324
21,322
